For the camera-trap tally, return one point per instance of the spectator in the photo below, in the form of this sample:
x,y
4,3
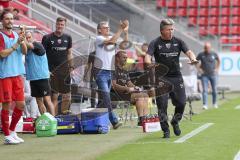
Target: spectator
x,y
15,14
208,69
104,64
58,47
166,50
12,46
126,89
37,73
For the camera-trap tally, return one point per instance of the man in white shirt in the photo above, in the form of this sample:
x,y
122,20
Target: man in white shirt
x,y
104,64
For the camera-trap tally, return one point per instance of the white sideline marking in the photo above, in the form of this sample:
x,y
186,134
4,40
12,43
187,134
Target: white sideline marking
x,y
193,133
237,156
237,107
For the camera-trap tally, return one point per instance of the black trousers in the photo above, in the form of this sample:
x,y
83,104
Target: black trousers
x,y
178,98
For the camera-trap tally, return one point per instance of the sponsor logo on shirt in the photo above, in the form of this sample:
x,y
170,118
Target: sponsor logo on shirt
x,y
168,45
171,54
59,41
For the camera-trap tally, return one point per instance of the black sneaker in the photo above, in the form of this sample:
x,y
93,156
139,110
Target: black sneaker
x,y
117,125
176,128
166,135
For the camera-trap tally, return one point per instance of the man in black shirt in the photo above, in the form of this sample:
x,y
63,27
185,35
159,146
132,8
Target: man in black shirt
x,y
58,47
166,50
126,90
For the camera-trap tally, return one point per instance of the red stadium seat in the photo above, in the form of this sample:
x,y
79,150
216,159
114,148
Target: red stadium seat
x,y
213,21
224,30
225,11
192,12
224,40
235,48
203,12
171,3
214,3
235,20
235,11
203,3
202,31
182,12
235,3
213,30
235,30
160,4
226,3
213,12
203,21
182,3
224,21
234,39
193,3
192,21
171,12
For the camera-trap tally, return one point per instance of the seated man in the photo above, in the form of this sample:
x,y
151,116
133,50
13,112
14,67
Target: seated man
x,y
126,89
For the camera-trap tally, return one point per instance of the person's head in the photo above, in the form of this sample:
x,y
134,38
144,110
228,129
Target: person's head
x,y
103,28
207,47
144,47
15,11
166,29
121,57
7,20
29,36
60,24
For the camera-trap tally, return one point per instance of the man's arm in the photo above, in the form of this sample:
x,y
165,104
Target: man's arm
x,y
115,37
191,56
6,52
218,62
70,59
24,48
119,88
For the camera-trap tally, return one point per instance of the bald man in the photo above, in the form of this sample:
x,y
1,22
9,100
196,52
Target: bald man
x,y
208,68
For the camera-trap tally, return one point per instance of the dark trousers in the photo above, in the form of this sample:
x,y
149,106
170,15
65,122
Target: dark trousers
x,y
178,98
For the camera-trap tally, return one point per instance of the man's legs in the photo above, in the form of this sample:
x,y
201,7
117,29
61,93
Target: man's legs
x,y
162,104
205,91
103,80
66,101
54,99
213,81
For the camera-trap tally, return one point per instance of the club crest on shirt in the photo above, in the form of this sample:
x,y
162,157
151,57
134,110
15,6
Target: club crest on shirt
x,y
59,41
159,47
168,45
52,42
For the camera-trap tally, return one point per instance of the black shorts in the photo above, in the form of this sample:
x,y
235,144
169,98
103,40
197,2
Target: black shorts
x,y
60,83
40,88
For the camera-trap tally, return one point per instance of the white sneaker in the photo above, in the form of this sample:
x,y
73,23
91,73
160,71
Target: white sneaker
x,y
215,105
14,135
10,140
205,107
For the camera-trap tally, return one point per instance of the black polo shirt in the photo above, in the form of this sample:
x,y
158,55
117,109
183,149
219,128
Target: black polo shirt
x,y
167,52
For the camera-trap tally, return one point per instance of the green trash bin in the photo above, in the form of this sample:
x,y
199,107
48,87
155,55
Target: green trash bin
x,y
46,125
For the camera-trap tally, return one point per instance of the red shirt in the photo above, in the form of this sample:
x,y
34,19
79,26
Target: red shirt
x,y
2,43
5,4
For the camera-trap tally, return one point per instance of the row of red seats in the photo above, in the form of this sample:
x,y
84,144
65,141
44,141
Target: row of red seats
x,y
196,3
215,30
230,39
214,21
203,12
